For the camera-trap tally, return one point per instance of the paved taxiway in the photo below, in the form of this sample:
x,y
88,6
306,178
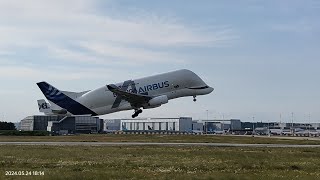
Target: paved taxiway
x,y
157,144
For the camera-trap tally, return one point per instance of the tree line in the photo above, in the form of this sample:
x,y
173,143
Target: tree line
x,y
7,126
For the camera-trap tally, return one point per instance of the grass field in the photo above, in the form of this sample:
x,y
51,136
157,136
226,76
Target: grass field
x,y
160,162
156,162
160,138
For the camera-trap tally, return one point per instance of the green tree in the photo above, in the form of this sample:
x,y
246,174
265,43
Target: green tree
x,y
7,126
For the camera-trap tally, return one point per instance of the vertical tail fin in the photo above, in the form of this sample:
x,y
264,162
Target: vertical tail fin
x,y
64,101
50,92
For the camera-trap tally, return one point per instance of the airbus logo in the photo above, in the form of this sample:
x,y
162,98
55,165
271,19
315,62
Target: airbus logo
x,y
142,90
154,86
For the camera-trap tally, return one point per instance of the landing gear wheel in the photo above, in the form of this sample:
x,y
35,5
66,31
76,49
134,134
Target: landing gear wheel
x,y
136,113
194,99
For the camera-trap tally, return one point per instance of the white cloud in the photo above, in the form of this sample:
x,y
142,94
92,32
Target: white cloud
x,y
76,33
56,24
54,73
135,55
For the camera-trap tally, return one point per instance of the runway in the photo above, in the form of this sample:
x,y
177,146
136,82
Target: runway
x,y
158,144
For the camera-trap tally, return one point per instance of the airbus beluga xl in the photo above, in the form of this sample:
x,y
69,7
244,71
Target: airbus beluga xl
x,y
144,93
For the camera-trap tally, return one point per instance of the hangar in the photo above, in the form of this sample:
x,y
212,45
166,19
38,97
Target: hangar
x,y
62,124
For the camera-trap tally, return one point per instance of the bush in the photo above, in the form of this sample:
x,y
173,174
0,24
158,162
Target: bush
x,y
23,133
7,126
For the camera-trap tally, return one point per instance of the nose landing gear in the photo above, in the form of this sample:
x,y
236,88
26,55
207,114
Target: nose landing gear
x,y
136,113
194,98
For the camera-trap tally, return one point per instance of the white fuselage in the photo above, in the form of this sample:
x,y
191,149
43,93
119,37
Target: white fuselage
x,y
174,84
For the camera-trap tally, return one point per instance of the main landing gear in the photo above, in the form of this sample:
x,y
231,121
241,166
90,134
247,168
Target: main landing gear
x,y
194,98
136,113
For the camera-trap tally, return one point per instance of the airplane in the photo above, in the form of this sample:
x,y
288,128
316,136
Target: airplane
x,y
145,93
46,108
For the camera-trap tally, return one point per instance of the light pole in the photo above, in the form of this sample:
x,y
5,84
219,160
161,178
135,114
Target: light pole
x,y
205,123
222,123
268,128
309,124
207,114
292,124
253,126
280,118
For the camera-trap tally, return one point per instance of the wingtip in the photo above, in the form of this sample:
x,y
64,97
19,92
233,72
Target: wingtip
x,y
41,82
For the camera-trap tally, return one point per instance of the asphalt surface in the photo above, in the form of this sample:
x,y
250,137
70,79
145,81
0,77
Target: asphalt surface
x,y
158,144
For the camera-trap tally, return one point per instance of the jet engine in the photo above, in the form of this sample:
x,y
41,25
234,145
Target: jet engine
x,y
158,101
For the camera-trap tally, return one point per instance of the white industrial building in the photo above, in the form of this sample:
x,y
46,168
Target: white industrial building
x,y
182,124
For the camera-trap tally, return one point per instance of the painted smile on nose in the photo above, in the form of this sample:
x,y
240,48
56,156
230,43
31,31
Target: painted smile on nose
x,y
202,87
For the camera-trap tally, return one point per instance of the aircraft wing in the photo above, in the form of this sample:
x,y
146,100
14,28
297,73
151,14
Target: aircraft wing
x,y
135,100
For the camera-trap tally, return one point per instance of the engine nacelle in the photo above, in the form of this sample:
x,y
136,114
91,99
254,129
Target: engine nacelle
x,y
158,101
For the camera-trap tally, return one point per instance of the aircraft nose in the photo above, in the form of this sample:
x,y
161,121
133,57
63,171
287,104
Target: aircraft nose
x,y
210,89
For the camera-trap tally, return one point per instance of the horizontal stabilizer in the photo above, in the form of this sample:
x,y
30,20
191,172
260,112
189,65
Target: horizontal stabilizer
x,y
74,95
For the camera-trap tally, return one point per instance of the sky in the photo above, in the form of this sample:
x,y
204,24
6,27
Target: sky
x,y
262,57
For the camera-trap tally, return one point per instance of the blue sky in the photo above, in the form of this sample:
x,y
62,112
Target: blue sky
x,y
262,57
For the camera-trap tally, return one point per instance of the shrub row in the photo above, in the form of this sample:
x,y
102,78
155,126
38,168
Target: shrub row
x,y
23,133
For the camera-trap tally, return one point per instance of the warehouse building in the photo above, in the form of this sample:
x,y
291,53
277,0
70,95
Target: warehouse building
x,y
197,127
111,125
37,123
210,126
